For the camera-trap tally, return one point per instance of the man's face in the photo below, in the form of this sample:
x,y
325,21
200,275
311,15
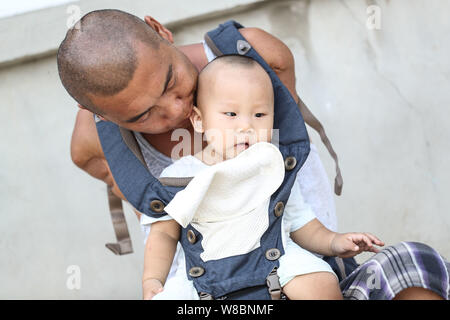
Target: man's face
x,y
160,95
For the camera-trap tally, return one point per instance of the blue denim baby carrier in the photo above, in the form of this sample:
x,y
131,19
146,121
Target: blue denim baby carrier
x,y
238,277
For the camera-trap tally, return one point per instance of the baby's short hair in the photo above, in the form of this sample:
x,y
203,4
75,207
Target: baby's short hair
x,y
229,60
232,59
98,54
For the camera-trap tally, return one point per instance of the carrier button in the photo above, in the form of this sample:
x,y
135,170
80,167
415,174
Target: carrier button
x,y
290,163
191,236
196,272
273,254
157,206
243,47
279,208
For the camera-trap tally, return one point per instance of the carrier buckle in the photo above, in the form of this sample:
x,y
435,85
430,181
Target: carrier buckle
x,y
205,296
273,285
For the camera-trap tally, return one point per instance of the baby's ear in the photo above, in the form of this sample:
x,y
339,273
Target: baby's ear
x,y
196,120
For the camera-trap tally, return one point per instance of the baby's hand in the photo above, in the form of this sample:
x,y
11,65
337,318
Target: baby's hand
x,y
346,245
151,287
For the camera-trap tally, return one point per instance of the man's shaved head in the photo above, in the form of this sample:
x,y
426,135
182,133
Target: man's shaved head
x,y
98,55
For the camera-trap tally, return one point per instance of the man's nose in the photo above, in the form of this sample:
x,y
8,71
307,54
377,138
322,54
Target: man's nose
x,y
176,105
180,103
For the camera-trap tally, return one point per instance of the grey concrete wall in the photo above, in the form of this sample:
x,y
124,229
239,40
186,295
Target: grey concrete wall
x,y
382,95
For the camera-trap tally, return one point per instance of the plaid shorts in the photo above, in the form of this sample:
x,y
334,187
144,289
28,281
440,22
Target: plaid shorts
x,y
395,268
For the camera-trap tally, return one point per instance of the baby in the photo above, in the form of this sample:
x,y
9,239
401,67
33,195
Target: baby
x,y
235,112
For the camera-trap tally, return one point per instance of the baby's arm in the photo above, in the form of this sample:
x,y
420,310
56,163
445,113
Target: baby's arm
x,y
159,252
310,234
315,237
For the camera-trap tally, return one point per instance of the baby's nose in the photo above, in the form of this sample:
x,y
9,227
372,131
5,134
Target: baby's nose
x,y
245,125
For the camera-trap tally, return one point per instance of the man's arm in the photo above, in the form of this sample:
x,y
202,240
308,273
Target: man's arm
x,y
86,151
85,148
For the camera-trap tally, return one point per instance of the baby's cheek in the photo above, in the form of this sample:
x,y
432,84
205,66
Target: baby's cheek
x,y
264,135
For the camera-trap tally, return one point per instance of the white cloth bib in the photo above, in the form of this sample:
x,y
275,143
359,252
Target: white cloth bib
x,y
228,202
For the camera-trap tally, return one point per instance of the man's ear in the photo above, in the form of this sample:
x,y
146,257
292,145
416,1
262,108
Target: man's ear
x,y
84,108
101,117
159,28
196,120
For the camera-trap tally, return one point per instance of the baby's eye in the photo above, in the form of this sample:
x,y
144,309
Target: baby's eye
x,y
259,115
230,114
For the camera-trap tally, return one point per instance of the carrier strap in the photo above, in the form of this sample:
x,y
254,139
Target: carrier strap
x,y
123,245
273,286
175,182
130,140
313,122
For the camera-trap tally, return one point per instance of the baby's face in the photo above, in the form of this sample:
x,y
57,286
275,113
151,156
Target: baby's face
x,y
236,109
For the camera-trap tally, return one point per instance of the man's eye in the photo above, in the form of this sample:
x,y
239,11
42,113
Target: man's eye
x,y
171,83
145,116
230,114
259,115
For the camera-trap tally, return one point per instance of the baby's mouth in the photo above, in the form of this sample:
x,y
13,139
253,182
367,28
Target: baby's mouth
x,y
243,145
